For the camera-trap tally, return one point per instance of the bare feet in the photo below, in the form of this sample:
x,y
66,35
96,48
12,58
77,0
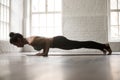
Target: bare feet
x,y
108,49
104,52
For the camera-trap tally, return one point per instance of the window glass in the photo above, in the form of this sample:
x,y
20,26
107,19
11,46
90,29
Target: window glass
x,y
58,5
114,18
46,17
4,19
113,4
50,5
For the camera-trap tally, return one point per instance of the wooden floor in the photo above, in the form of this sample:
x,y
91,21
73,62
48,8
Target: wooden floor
x,y
81,67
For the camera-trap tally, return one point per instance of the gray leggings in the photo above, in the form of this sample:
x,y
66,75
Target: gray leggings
x,y
64,43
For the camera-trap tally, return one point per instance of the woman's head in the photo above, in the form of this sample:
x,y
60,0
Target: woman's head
x,y
16,39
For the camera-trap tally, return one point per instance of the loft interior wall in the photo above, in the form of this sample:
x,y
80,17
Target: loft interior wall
x,y
85,19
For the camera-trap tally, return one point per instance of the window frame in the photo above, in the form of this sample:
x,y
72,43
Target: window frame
x,y
46,12
109,10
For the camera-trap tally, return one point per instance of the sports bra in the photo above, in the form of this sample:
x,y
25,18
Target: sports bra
x,y
37,48
39,42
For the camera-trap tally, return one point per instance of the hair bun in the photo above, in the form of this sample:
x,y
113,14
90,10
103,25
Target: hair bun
x,y
11,34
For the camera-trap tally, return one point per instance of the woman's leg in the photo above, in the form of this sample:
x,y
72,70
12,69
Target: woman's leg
x,y
84,44
108,49
89,45
64,43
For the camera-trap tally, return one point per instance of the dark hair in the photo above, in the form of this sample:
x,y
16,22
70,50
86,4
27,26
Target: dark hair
x,y
14,37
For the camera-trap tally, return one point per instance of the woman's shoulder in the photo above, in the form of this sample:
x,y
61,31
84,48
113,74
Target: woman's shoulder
x,y
32,39
36,39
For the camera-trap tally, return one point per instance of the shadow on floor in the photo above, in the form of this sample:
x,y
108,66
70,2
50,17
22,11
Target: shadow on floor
x,y
81,54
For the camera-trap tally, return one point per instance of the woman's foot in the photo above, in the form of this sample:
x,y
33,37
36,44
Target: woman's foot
x,y
108,49
104,51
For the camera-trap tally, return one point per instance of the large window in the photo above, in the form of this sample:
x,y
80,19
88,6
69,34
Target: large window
x,y
4,19
114,20
46,17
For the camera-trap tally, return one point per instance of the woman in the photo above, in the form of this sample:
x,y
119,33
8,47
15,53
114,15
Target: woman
x,y
60,42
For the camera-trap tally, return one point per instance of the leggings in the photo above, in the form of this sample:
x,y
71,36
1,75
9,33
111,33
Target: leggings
x,y
66,44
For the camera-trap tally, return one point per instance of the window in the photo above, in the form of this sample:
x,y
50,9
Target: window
x,y
114,20
4,19
46,17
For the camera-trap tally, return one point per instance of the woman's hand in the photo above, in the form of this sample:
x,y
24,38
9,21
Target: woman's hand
x,y
41,54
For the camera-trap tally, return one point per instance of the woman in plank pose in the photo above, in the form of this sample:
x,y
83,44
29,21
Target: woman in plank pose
x,y
61,42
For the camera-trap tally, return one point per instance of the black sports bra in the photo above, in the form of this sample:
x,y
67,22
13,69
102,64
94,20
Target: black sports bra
x,y
37,47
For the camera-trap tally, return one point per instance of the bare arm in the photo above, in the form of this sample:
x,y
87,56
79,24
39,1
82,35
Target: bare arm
x,y
45,49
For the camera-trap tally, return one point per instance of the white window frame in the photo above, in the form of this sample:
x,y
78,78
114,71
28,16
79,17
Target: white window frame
x,y
46,12
110,38
5,28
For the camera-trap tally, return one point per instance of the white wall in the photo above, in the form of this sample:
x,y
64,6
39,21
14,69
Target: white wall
x,y
6,47
85,19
